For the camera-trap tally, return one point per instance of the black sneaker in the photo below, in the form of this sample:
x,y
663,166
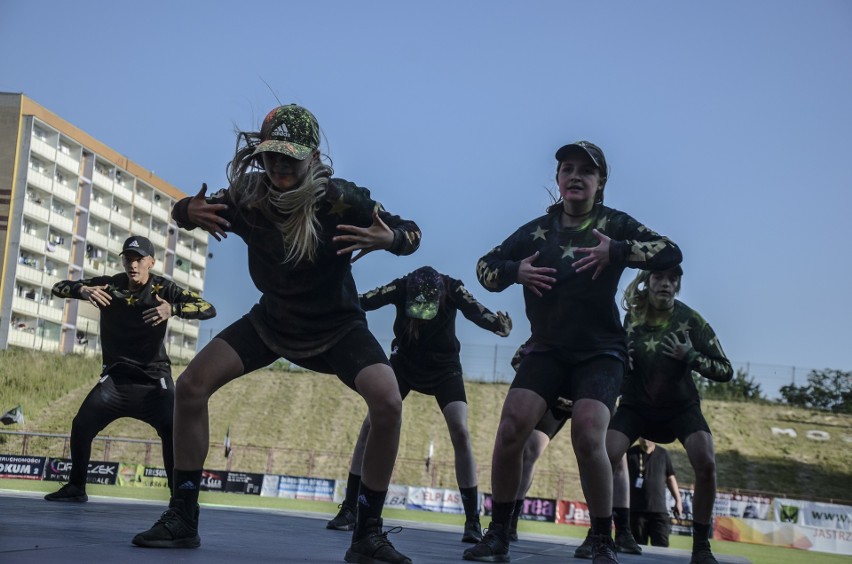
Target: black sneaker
x,y
344,520
175,529
69,492
603,550
701,555
585,550
472,531
374,547
624,542
494,546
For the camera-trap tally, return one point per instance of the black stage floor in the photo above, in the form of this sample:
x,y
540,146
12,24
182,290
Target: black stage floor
x,y
35,531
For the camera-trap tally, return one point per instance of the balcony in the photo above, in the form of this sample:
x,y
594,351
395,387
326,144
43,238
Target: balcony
x,y
102,180
180,277
141,203
64,192
183,251
58,252
61,222
199,259
201,235
25,306
124,193
96,238
36,210
39,180
51,313
28,274
115,246
160,213
42,148
33,243
121,220
157,239
94,267
67,162
196,282
99,210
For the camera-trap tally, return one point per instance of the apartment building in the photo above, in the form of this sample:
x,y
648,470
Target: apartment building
x,y
67,203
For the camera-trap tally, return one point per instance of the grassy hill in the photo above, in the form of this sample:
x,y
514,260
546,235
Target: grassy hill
x,y
306,424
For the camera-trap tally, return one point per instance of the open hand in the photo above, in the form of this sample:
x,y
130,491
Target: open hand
x,y
158,314
535,278
598,257
674,347
365,239
98,296
505,324
205,215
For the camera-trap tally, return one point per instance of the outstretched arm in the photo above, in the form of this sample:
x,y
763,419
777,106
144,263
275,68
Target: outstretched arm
x,y
500,323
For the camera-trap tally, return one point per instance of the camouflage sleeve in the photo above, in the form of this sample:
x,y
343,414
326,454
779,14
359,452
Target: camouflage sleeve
x,y
71,288
707,357
406,233
498,270
382,296
636,246
186,304
472,309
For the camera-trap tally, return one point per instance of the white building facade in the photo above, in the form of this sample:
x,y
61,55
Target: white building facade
x,y
67,203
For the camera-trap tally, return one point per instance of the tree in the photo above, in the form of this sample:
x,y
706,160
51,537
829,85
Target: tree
x,y
742,387
826,389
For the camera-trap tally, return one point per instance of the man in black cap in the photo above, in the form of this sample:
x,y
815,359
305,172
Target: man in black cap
x,y
136,380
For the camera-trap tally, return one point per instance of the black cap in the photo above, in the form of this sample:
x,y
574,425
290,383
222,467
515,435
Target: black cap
x,y
584,147
139,245
676,268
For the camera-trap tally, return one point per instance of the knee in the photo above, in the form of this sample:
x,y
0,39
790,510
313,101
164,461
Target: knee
x,y
705,469
191,388
459,435
510,435
386,411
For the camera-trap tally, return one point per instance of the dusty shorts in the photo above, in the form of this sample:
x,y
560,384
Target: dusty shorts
x,y
634,423
357,350
554,374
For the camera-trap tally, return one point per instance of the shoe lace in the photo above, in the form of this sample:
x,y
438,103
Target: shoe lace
x,y
491,539
168,516
381,537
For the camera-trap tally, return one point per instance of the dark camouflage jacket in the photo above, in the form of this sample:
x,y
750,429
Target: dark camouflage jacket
x,y
661,382
125,337
306,307
577,314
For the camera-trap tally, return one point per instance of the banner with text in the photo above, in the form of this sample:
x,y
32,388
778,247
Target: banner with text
x,y
25,467
99,472
813,514
821,539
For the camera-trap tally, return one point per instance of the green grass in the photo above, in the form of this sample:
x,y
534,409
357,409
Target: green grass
x,y
758,554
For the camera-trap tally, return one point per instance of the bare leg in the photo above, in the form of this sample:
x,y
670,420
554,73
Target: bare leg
x,y
699,449
617,444
455,413
521,411
360,446
590,419
213,367
533,449
377,385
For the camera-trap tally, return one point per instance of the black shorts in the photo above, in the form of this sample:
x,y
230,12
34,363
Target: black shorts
x,y
634,423
552,422
357,350
446,390
554,374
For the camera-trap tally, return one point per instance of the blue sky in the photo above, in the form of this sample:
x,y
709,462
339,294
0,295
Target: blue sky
x,y
726,125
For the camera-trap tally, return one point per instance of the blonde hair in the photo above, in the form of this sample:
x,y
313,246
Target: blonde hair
x,y
635,299
293,212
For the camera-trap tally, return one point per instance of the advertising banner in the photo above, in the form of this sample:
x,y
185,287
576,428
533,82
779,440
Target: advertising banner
x,y
152,477
25,467
573,513
244,482
59,470
213,480
539,509
397,497
813,514
821,539
270,486
316,489
434,499
128,474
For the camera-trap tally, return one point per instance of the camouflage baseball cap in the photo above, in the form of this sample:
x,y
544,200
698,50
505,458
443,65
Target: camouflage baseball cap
x,y
291,130
424,290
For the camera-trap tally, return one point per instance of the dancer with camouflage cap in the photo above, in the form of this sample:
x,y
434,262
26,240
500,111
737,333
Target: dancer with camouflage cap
x,y
569,262
425,358
301,227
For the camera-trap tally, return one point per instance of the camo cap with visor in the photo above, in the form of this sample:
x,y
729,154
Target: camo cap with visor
x,y
291,130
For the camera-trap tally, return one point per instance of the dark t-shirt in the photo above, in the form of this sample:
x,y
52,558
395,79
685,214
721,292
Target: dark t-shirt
x,y
654,468
307,307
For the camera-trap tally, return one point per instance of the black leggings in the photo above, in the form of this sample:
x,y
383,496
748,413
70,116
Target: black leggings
x,y
151,401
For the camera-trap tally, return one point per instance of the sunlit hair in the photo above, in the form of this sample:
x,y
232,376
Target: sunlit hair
x,y
293,212
635,299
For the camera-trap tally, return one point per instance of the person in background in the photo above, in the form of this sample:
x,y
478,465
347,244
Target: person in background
x,y
301,227
569,262
651,471
136,378
425,358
